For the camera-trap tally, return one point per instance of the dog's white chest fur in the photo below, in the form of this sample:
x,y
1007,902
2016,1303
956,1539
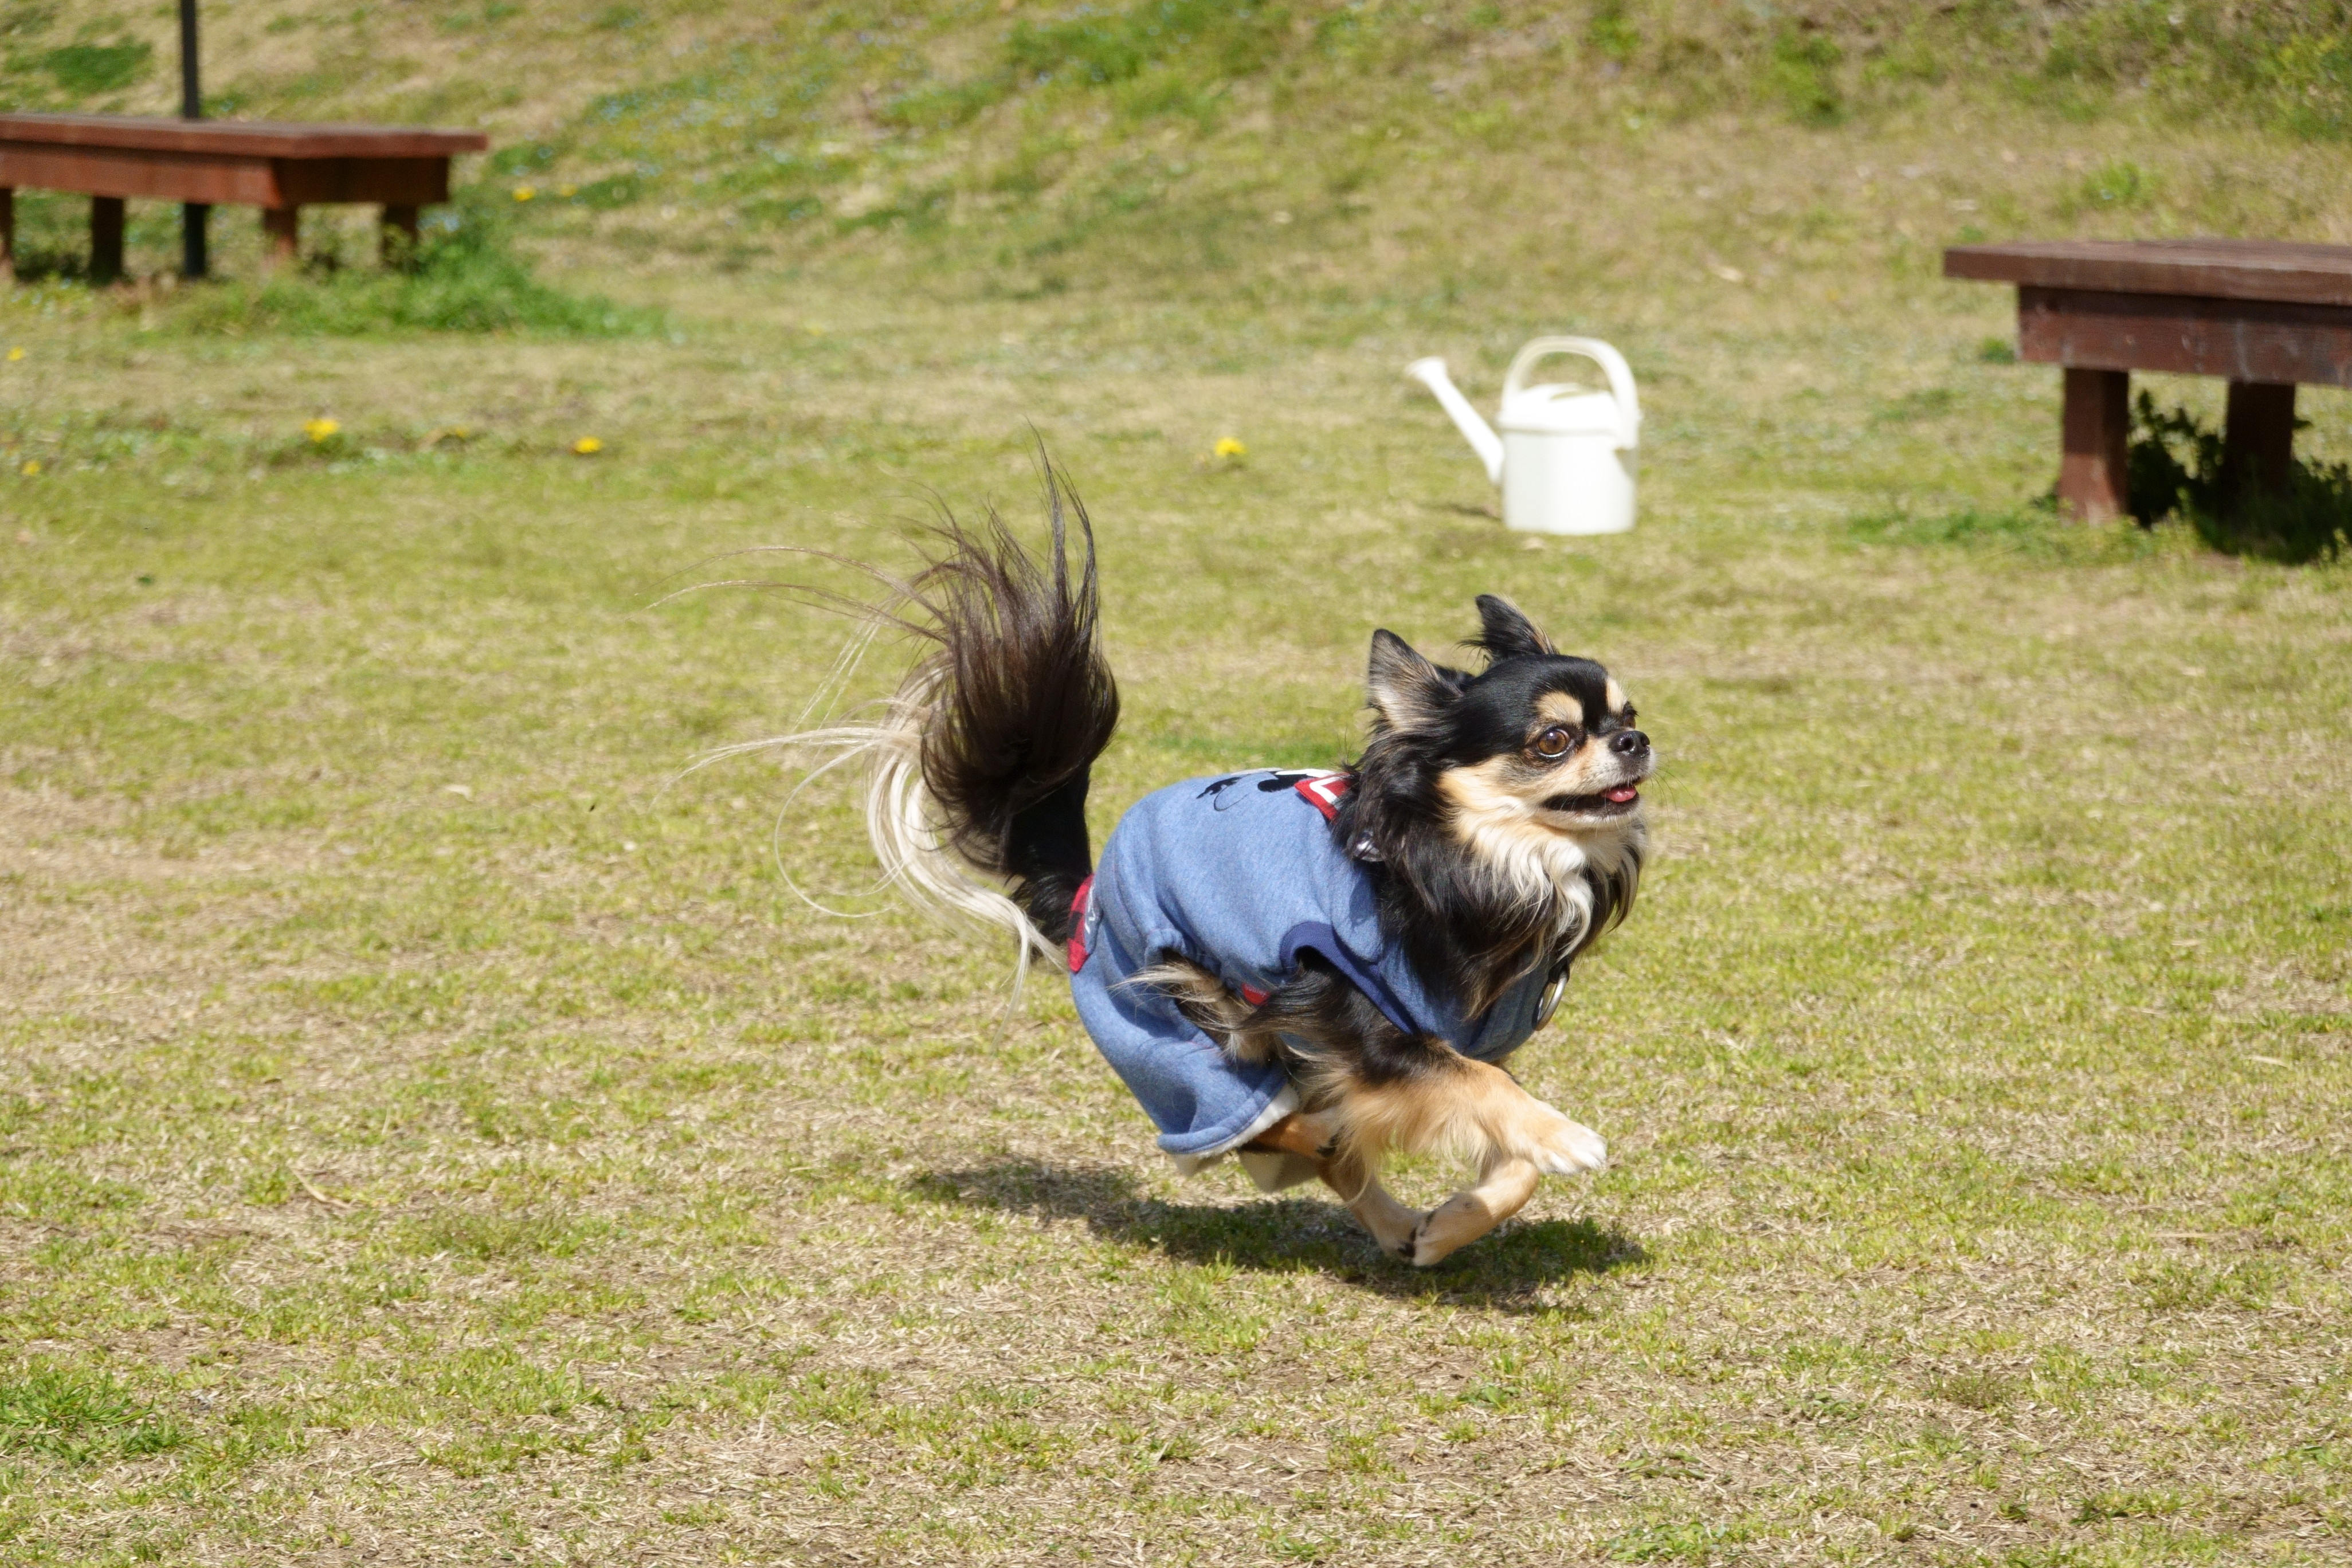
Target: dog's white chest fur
x,y
1538,863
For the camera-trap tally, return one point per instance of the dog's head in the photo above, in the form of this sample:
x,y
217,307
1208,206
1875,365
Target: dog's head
x,y
1537,739
1507,804
1537,752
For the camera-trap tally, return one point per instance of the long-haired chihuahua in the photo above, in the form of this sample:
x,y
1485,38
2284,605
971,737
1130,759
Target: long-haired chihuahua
x,y
1309,969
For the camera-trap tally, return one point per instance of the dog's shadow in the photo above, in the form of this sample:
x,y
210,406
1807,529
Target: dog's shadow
x,y
1507,1269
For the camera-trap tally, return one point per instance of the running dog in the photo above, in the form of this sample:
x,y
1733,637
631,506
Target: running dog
x,y
1309,969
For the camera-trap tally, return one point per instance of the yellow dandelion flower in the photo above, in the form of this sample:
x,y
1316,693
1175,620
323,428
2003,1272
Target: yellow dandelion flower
x,y
587,447
32,466
15,355
567,192
321,430
1229,448
524,192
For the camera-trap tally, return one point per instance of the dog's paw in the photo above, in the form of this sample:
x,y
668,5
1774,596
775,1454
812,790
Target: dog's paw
x,y
1444,1234
1397,1239
1392,1225
1561,1147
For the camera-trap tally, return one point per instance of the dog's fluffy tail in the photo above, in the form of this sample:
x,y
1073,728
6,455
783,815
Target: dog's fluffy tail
x,y
976,790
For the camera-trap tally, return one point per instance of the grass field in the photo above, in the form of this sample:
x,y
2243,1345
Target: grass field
x,y
431,1128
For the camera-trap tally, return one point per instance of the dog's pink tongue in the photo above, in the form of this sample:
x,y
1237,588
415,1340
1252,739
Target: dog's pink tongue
x,y
1622,794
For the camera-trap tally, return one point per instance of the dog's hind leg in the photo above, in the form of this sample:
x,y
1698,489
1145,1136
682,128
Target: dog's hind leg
x,y
1357,1180
1502,1190
1354,1176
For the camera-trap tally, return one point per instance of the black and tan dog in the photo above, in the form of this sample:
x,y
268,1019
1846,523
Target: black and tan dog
x,y
1310,970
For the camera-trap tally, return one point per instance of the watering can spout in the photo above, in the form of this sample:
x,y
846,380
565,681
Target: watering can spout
x,y
1431,374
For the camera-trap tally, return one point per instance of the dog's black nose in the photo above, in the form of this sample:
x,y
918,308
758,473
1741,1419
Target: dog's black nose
x,y
1629,742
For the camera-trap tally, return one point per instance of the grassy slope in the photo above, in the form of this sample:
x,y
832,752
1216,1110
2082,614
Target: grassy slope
x,y
1367,150
428,1132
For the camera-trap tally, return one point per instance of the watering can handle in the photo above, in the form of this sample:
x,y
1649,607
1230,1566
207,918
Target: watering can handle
x,y
1613,364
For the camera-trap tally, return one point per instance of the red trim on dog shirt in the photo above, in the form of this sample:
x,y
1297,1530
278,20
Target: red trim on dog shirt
x,y
1079,902
1323,791
1253,997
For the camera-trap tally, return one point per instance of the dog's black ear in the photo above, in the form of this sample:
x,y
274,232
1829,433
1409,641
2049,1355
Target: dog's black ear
x,y
1405,690
1505,633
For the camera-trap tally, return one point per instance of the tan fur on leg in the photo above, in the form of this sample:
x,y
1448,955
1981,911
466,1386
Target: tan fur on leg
x,y
1391,1222
1474,1112
1300,1132
1467,1216
1354,1177
1467,1108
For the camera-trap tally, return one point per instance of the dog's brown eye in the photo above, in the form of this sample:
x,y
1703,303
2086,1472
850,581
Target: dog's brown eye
x,y
1555,742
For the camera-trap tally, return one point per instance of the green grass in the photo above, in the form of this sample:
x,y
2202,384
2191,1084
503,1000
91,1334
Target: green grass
x,y
2177,472
464,274
432,1125
1231,151
77,1417
434,1113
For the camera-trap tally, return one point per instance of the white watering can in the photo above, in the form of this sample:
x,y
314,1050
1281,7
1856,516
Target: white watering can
x,y
1565,459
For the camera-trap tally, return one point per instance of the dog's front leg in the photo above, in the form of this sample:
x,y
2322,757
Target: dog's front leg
x,y
1528,1140
1502,1190
1355,1178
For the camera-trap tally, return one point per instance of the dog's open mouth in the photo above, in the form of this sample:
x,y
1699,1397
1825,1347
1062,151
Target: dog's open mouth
x,y
1621,797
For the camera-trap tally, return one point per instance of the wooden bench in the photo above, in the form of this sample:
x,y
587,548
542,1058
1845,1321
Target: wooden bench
x,y
2264,314
281,169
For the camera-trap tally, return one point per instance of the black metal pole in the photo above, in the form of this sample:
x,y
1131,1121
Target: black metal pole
x,y
194,215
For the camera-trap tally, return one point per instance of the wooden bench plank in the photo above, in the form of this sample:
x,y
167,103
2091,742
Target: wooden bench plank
x,y
238,138
394,181
220,179
2281,271
2241,341
223,179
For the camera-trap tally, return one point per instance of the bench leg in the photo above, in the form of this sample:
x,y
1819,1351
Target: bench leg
x,y
8,234
281,229
105,238
399,235
2258,441
2090,472
196,259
